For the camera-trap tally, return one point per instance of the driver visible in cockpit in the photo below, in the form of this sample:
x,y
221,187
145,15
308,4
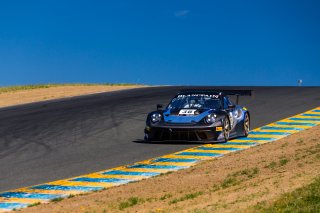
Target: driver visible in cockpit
x,y
193,103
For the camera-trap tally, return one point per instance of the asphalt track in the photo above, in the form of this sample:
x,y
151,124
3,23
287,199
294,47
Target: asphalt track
x,y
53,140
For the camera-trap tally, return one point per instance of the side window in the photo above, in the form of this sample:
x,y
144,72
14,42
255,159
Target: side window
x,y
226,102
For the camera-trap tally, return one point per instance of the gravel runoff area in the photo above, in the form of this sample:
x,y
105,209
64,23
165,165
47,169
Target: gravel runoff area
x,y
233,183
33,94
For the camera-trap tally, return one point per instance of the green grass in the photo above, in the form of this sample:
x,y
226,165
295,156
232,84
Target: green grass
x,y
283,161
58,199
230,181
166,196
132,201
250,173
215,188
37,86
300,141
70,196
272,165
198,211
304,199
34,204
238,177
186,197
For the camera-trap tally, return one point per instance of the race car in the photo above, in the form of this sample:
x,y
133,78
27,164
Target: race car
x,y
199,115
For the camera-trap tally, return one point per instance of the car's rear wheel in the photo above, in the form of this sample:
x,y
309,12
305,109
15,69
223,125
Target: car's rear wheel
x,y
246,125
226,129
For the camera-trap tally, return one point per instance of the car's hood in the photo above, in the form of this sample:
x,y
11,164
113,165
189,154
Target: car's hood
x,y
181,116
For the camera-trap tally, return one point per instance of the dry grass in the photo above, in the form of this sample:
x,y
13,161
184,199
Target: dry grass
x,y
304,199
232,183
16,95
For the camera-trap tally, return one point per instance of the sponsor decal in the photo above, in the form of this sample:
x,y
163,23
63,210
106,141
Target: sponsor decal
x,y
200,95
187,112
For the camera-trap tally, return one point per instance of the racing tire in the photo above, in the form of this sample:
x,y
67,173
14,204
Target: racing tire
x,y
246,125
147,138
226,129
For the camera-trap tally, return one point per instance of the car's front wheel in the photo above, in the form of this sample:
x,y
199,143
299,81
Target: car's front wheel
x,y
246,125
146,137
149,136
226,129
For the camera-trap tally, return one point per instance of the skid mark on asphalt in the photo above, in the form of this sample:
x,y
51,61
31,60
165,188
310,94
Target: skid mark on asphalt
x,y
43,193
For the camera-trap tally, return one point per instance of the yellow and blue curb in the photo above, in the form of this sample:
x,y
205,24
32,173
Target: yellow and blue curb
x,y
43,193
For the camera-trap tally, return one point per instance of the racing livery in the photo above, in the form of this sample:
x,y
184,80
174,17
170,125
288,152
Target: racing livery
x,y
199,115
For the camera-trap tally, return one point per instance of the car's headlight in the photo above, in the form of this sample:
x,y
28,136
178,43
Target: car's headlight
x,y
156,117
211,118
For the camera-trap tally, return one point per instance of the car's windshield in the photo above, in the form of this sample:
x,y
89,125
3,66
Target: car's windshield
x,y
195,101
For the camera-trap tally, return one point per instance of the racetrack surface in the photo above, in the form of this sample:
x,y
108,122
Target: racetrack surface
x,y
52,140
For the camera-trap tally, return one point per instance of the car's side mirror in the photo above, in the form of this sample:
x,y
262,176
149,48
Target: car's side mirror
x,y
159,106
231,106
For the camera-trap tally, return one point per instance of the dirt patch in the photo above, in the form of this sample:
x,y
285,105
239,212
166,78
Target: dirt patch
x,y
228,184
42,94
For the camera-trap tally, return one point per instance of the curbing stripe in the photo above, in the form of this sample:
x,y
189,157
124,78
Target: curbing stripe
x,y
21,198
313,115
305,119
281,128
176,160
173,155
12,206
197,150
153,166
60,192
104,180
296,124
305,116
67,188
119,172
241,143
205,154
219,148
269,133
100,175
254,139
228,146
81,184
29,195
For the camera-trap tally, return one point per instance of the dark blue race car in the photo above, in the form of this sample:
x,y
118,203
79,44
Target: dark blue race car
x,y
199,115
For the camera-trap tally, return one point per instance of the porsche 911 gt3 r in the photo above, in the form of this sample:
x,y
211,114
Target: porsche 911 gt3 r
x,y
196,115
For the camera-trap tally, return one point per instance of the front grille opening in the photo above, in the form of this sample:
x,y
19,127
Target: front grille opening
x,y
206,135
202,135
166,134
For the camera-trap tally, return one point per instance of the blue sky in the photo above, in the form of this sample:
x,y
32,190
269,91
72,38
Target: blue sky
x,y
229,42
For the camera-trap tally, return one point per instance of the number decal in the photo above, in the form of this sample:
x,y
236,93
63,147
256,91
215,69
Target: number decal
x,y
187,111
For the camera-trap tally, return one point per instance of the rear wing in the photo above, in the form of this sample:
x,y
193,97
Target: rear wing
x,y
237,93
